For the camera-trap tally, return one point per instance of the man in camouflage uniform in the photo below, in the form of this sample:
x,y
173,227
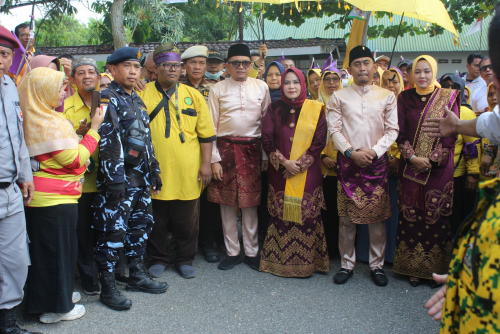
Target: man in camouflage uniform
x,y
122,207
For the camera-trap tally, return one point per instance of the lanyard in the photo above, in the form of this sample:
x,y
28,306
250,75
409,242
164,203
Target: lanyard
x,y
176,105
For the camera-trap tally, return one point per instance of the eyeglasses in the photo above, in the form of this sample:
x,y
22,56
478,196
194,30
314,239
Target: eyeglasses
x,y
330,80
485,68
237,64
169,66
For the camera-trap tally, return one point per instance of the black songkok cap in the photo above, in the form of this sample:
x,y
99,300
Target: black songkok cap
x,y
238,50
360,52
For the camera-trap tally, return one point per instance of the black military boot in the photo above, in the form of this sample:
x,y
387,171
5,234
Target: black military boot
x,y
139,279
110,296
8,323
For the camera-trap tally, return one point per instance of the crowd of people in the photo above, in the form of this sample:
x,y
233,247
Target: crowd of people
x,y
375,163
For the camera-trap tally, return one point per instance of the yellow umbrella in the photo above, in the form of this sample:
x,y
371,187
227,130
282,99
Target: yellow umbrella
x,y
432,11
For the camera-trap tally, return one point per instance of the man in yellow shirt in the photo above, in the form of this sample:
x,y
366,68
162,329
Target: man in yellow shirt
x,y
182,134
85,75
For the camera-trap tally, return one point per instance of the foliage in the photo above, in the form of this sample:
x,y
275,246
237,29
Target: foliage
x,y
63,30
461,12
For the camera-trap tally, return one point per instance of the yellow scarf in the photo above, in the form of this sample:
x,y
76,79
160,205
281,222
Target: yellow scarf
x,y
45,130
314,95
380,72
434,68
304,133
389,74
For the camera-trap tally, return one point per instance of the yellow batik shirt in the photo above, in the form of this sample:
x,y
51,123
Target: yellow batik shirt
x,y
76,110
472,302
179,162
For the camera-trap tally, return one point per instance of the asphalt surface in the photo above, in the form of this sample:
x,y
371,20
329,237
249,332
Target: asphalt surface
x,y
245,301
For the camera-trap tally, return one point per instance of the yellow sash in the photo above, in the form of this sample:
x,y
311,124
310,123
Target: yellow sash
x,y
304,133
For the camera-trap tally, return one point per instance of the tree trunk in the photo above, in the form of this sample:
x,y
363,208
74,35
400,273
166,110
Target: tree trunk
x,y
240,16
117,27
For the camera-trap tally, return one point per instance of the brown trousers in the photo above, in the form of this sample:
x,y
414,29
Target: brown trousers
x,y
183,216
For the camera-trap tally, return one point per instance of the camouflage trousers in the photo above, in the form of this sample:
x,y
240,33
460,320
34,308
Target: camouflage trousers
x,y
122,225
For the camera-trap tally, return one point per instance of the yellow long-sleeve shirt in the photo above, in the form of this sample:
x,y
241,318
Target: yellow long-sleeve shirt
x,y
469,166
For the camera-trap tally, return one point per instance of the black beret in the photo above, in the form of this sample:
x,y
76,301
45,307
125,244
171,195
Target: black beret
x,y
124,54
360,52
238,50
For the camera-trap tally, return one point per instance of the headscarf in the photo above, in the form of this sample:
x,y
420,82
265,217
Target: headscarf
x,y
491,86
275,93
45,130
380,72
389,74
101,75
434,68
299,101
324,97
314,95
457,80
470,94
42,61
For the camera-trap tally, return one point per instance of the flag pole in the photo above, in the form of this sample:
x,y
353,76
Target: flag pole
x,y
481,38
396,40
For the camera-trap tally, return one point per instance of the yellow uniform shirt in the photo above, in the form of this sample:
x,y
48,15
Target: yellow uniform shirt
x,y
471,166
76,110
179,162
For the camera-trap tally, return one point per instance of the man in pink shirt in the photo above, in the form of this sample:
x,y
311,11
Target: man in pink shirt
x,y
238,105
363,123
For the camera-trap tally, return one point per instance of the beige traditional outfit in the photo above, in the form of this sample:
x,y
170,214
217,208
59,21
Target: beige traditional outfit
x,y
237,109
363,117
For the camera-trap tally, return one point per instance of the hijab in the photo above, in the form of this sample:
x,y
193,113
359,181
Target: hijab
x,y
389,74
434,68
45,130
470,94
324,97
380,72
491,87
314,95
42,61
299,101
275,93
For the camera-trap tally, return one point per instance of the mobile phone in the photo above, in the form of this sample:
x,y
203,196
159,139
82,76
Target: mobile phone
x,y
96,101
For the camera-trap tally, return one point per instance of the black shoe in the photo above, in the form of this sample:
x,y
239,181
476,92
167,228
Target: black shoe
x,y
139,279
342,276
211,254
92,290
253,262
110,296
8,323
229,262
379,277
414,282
121,280
433,284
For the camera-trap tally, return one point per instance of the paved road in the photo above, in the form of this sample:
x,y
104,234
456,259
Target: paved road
x,y
245,301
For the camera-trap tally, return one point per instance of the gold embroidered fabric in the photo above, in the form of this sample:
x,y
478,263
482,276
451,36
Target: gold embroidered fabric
x,y
311,203
276,158
363,209
415,262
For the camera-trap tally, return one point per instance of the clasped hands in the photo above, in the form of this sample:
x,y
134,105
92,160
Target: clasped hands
x,y
292,167
363,157
419,165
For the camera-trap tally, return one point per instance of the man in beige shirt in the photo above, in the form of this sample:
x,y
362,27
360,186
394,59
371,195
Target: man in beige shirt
x,y
363,123
238,105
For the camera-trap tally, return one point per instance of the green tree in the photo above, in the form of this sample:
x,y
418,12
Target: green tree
x,y
61,31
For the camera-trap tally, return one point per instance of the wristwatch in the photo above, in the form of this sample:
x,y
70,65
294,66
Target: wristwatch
x,y
348,152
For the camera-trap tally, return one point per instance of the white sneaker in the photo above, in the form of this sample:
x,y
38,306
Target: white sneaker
x,y
77,312
76,297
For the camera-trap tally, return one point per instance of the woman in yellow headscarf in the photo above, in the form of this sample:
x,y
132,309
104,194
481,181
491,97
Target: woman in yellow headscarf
x,y
489,152
313,82
104,81
52,215
330,82
425,177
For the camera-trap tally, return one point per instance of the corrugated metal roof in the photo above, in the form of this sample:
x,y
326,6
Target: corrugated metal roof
x,y
314,28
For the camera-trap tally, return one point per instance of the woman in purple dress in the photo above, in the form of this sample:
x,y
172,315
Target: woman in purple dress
x,y
424,237
293,136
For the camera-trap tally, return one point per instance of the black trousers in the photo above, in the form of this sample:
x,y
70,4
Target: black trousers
x,y
86,242
330,216
53,251
210,222
183,216
463,203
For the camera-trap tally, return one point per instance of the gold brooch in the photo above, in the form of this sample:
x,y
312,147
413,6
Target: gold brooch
x,y
292,125
292,111
291,139
424,99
